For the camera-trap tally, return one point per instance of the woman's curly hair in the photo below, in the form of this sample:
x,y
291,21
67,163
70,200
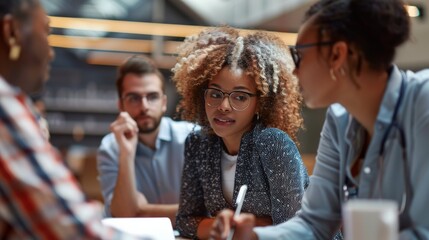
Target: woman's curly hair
x,y
261,56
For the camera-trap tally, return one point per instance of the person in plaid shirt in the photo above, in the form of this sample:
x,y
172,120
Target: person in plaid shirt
x,y
39,197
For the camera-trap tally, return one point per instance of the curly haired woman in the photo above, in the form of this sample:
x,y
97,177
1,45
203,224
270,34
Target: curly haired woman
x,y
240,89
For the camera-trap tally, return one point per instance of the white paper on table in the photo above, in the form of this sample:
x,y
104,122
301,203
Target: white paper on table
x,y
150,228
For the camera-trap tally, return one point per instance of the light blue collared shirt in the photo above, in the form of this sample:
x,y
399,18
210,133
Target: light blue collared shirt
x,y
158,172
321,215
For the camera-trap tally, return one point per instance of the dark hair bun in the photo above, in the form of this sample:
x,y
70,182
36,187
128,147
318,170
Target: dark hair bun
x,y
375,27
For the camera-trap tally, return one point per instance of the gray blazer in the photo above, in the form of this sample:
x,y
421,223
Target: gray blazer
x,y
268,162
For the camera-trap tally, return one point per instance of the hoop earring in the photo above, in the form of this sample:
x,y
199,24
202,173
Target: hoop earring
x,y
333,77
15,50
257,116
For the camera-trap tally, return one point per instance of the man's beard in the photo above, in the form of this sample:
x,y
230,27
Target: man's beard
x,y
147,130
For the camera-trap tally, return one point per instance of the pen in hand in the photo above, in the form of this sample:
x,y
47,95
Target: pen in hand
x,y
239,202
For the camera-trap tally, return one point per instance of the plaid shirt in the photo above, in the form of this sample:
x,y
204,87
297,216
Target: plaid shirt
x,y
39,197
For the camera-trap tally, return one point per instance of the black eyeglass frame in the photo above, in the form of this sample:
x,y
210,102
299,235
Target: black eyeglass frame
x,y
228,94
296,57
151,98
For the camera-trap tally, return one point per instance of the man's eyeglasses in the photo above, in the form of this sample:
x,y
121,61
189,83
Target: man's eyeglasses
x,y
134,99
296,55
239,100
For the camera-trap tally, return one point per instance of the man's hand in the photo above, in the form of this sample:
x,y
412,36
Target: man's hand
x,y
225,220
126,133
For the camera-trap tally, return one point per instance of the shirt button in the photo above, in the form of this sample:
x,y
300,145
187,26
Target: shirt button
x,y
367,170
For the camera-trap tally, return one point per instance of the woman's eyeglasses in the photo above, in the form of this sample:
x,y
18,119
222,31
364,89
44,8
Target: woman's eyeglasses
x,y
296,55
239,100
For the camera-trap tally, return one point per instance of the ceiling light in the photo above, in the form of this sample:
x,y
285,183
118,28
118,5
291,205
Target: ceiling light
x,y
415,11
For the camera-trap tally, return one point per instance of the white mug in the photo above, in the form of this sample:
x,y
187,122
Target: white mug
x,y
365,219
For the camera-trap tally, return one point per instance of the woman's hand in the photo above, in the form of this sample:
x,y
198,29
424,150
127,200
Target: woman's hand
x,y
225,221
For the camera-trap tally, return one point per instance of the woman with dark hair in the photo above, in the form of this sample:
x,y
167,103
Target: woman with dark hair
x,y
374,140
39,197
240,89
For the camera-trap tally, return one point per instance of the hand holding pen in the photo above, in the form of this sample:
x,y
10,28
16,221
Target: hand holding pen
x,y
239,203
226,220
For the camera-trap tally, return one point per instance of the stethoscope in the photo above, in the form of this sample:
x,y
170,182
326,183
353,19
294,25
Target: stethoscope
x,y
395,125
349,188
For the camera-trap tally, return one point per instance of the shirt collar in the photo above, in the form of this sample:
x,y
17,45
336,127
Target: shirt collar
x,y
9,90
6,88
387,106
164,134
391,96
353,129
164,130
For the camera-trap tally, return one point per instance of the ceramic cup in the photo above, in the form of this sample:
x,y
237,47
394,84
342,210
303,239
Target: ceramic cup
x,y
370,220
